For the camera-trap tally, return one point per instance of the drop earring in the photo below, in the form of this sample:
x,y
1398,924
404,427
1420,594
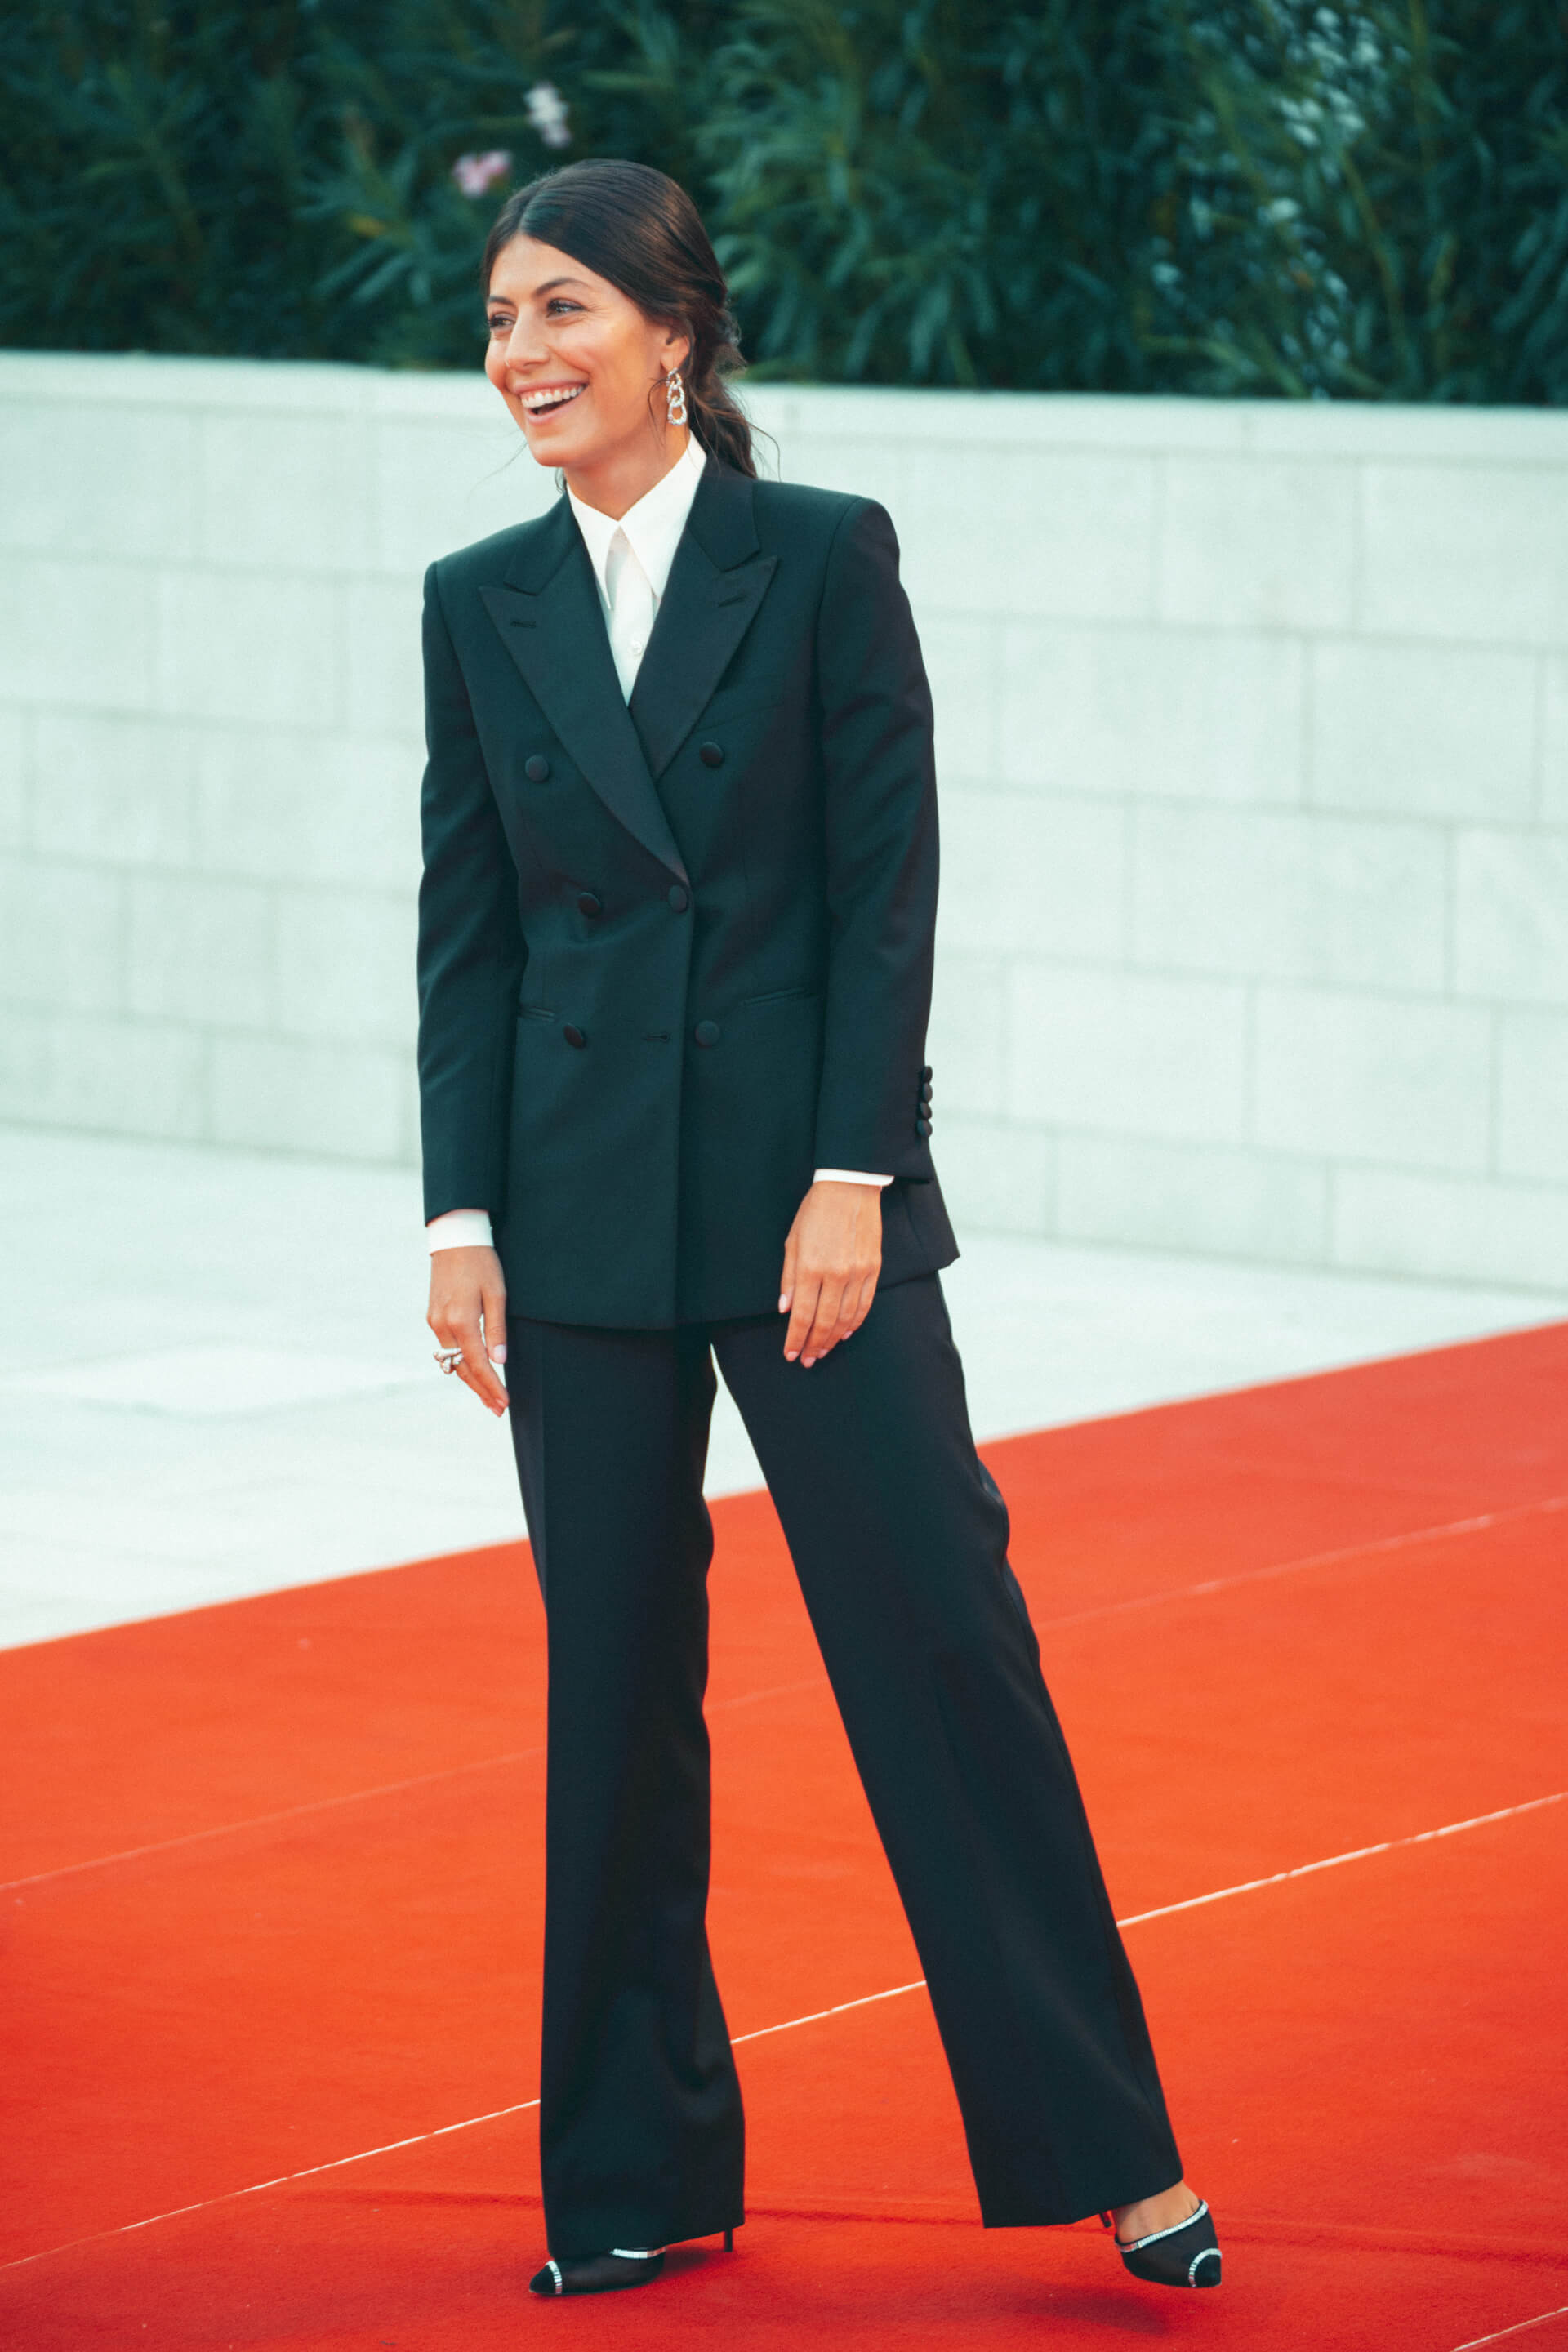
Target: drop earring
x,y
675,397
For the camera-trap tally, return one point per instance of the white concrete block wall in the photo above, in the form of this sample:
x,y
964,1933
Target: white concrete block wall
x,y
1252,728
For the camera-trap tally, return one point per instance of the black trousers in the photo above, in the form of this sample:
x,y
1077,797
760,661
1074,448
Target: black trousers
x,y
900,1538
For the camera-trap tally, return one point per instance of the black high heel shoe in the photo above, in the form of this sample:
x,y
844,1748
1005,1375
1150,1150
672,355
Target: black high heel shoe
x,y
1186,2254
603,2274
597,2273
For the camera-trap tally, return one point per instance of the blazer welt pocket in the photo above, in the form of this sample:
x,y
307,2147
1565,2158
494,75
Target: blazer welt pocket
x,y
534,1012
782,996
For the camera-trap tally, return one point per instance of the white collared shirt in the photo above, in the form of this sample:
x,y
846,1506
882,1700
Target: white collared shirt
x,y
631,559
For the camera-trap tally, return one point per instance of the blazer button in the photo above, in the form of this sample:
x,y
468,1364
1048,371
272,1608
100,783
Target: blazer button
x,y
536,768
707,1033
678,899
710,754
573,1034
588,904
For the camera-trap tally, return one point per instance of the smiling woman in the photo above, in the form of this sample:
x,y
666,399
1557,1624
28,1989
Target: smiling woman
x,y
606,342
675,942
579,366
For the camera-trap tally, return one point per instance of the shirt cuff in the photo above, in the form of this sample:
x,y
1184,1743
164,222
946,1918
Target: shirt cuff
x,y
845,1176
460,1229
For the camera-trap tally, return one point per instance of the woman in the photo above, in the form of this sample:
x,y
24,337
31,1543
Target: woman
x,y
674,956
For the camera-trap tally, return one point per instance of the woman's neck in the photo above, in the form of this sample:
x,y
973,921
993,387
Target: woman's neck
x,y
615,485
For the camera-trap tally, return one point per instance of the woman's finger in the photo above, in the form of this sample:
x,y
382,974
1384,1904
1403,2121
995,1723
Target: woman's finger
x,y
480,1373
868,1293
786,1279
468,1311
824,1331
855,1306
492,1296
474,1369
803,1309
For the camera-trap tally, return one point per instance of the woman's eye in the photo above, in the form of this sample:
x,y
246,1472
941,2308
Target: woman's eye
x,y
500,326
560,302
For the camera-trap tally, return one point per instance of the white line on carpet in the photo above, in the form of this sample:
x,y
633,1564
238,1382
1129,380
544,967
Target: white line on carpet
x,y
751,1698
265,1821
757,2033
281,2180
864,2000
1357,1853
1476,1526
1520,2324
350,1797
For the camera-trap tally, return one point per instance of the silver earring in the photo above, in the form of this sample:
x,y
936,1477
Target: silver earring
x,y
675,397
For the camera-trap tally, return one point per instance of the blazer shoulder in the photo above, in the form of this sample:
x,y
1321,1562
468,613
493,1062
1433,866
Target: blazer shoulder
x,y
797,510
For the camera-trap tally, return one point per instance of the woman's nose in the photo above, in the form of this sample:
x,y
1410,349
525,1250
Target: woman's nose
x,y
524,350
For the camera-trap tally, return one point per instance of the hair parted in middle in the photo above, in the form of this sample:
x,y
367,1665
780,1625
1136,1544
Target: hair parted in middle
x,y
639,230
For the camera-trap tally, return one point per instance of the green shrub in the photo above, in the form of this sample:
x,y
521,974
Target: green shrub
x,y
1261,196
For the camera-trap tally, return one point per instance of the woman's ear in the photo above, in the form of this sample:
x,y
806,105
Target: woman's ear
x,y
677,349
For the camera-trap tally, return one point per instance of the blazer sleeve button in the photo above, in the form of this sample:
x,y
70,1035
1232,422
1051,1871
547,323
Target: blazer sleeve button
x,y
707,1033
922,1129
536,768
710,754
573,1034
587,903
678,899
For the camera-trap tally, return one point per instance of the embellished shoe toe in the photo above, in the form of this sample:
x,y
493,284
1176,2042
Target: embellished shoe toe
x,y
597,2273
1187,2254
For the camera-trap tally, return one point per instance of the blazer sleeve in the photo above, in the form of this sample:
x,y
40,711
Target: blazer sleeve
x,y
472,951
882,854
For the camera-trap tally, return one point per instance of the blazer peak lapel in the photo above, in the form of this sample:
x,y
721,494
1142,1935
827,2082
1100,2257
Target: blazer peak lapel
x,y
553,625
716,582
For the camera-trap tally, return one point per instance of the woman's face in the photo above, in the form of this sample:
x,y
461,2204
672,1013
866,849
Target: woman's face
x,y
575,358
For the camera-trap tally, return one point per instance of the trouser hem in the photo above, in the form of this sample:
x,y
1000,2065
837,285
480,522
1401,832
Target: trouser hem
x,y
577,2245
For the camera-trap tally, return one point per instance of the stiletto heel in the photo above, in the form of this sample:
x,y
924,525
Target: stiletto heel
x,y
1187,2254
729,2242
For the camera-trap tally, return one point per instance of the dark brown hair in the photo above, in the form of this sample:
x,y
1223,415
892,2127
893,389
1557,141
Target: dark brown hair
x,y
639,230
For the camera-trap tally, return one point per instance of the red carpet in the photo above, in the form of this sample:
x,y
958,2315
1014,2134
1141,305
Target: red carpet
x,y
273,1899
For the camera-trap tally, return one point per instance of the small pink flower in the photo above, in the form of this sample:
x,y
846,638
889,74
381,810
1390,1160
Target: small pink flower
x,y
547,112
477,174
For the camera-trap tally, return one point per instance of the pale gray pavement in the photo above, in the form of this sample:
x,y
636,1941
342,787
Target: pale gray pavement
x,y
216,1378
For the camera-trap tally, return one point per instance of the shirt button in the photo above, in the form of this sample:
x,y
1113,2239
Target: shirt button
x,y
639,644
678,899
707,1033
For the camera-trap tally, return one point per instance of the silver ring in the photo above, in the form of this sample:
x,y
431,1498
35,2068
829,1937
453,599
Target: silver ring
x,y
448,1359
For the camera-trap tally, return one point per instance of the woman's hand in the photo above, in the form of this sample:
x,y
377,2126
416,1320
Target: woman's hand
x,y
468,1310
831,1263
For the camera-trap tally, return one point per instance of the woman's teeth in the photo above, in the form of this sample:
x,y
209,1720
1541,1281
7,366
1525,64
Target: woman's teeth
x,y
536,402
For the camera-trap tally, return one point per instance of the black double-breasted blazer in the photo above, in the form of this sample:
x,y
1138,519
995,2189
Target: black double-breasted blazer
x,y
675,955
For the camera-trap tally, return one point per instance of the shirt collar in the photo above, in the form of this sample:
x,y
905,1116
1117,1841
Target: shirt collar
x,y
653,527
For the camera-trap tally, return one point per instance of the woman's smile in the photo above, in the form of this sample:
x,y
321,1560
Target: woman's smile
x,y
541,398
